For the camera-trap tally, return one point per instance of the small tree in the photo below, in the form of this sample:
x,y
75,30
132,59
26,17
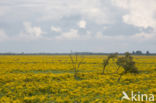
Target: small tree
x,y
128,64
119,63
106,61
76,62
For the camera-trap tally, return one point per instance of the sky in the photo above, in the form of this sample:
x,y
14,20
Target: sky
x,y
79,25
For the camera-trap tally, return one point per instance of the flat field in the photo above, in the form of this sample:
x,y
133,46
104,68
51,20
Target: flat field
x,y
50,79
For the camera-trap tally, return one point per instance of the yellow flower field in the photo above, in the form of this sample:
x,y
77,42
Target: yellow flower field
x,y
50,79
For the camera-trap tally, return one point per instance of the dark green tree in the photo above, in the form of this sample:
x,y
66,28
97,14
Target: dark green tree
x,y
119,63
127,64
106,61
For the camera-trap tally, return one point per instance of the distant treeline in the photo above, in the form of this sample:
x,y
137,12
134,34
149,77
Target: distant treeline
x,y
79,53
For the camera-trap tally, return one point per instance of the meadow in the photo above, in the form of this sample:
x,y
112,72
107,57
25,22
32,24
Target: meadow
x,y
50,79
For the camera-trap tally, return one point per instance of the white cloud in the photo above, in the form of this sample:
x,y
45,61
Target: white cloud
x,y
94,15
93,10
56,29
72,34
4,10
3,35
101,36
105,27
99,15
141,13
31,32
97,11
82,24
87,36
144,36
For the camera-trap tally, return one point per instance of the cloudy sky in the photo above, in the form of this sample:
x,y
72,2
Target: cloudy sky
x,y
78,25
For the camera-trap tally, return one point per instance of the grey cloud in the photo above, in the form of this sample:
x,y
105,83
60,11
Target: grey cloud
x,y
114,19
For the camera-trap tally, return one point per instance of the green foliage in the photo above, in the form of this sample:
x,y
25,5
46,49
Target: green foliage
x,y
112,56
106,61
127,64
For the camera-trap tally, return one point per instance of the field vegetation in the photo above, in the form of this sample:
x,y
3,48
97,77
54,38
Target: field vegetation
x,y
52,78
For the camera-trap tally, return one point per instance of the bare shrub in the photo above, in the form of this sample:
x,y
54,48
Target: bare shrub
x,y
76,61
